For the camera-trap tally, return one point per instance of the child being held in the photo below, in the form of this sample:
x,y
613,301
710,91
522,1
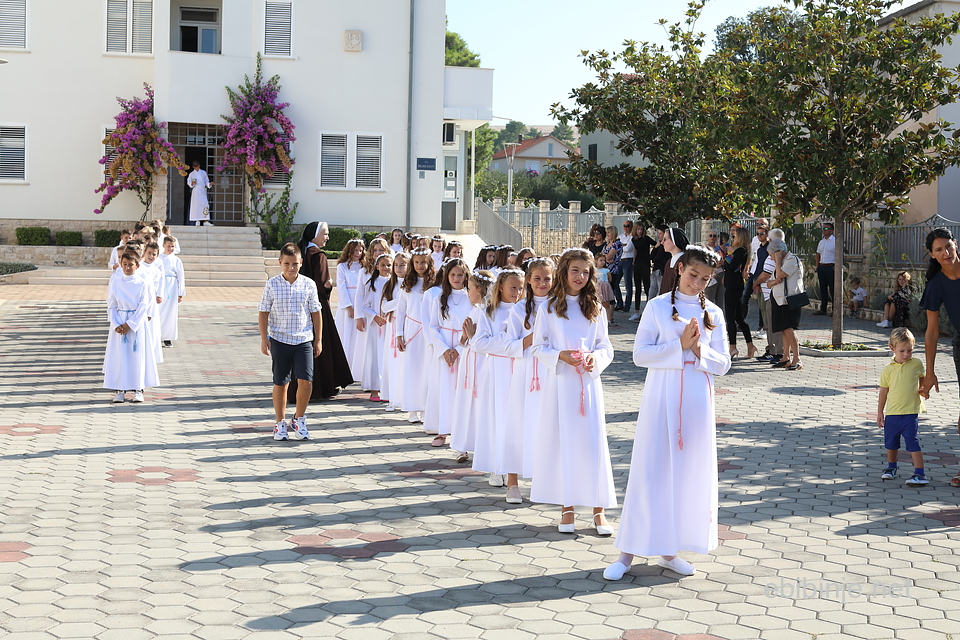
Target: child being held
x,y
604,290
858,296
900,399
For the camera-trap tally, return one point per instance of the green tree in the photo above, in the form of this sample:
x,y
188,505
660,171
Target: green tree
x,y
563,132
458,54
484,153
740,37
839,120
510,134
660,109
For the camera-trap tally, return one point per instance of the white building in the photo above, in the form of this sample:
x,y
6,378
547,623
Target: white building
x,y
353,73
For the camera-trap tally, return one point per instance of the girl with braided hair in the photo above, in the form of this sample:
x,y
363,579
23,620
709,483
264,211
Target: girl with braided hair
x,y
671,499
572,461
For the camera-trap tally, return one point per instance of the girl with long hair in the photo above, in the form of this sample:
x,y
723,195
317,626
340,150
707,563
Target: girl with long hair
x,y
396,240
523,255
364,340
390,362
486,258
453,250
896,309
349,270
499,451
373,323
572,462
445,315
733,266
463,436
411,342
502,261
437,247
671,500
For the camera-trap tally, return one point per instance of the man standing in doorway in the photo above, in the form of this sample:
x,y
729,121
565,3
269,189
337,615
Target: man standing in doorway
x,y
826,257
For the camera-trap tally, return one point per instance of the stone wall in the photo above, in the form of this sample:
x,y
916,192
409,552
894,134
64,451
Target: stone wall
x,y
56,256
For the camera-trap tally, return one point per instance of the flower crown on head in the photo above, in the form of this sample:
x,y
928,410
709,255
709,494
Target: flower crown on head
x,y
454,242
512,272
447,261
490,247
569,249
382,256
479,276
420,252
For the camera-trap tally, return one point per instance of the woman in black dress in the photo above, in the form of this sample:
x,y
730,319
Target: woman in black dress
x,y
331,369
642,246
733,266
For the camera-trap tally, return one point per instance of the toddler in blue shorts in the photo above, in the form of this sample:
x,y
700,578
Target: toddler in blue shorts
x,y
902,401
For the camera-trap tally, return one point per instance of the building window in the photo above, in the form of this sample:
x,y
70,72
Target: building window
x,y
13,152
592,152
352,161
129,26
109,151
278,28
549,149
200,30
279,179
13,24
612,147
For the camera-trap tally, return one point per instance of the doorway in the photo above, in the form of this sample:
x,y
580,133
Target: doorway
x,y
203,143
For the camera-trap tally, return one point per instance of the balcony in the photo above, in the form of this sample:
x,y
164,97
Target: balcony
x,y
467,96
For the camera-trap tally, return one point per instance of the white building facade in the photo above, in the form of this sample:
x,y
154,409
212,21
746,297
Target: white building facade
x,y
381,124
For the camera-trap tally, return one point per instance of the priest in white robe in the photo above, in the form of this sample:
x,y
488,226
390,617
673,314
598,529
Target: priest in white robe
x,y
199,205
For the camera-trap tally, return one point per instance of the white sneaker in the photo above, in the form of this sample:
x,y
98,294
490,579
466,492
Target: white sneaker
x,y
412,417
300,429
495,480
615,571
119,397
760,335
635,316
389,407
885,324
677,565
138,396
280,430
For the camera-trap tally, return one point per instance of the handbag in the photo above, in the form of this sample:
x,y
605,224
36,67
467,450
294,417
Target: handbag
x,y
801,299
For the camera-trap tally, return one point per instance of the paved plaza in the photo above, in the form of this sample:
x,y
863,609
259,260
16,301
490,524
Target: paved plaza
x,y
182,518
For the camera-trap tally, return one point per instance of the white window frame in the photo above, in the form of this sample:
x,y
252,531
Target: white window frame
x,y
351,160
26,32
26,153
293,22
128,46
200,26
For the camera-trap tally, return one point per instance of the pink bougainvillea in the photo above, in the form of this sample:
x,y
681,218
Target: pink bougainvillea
x,y
142,152
258,134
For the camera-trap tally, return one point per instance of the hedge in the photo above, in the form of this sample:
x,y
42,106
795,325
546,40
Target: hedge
x,y
339,237
368,237
106,238
36,236
332,255
68,238
6,268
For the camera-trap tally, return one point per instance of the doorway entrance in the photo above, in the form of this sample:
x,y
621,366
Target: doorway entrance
x,y
203,142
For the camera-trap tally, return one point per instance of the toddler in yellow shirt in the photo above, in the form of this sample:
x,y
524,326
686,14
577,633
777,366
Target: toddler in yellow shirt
x,y
900,398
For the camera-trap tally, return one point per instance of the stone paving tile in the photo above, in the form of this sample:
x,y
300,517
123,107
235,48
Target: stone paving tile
x,y
182,518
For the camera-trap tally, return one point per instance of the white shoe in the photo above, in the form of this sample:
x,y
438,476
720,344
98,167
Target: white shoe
x,y
138,396
300,429
495,480
280,430
412,417
760,335
514,496
615,571
566,528
677,565
602,529
635,317
119,397
389,407
884,324
207,223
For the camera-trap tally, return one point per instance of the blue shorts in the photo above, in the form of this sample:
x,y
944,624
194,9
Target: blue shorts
x,y
297,358
895,426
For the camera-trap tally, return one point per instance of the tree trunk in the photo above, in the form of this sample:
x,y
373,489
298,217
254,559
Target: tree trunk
x,y
838,282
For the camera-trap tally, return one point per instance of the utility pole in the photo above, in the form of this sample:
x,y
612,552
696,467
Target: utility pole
x,y
510,156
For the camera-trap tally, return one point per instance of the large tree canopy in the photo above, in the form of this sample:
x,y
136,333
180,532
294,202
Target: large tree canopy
x,y
740,37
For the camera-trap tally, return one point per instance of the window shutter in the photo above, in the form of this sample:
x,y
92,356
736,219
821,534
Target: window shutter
x,y
369,152
279,179
142,28
109,150
13,153
333,160
278,28
117,26
13,24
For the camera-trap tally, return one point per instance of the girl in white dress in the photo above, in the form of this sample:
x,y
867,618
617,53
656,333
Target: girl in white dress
x,y
374,324
199,182
498,450
411,341
174,290
437,247
152,272
486,258
129,363
523,406
464,417
445,315
671,499
396,240
363,341
349,268
390,363
453,250
572,460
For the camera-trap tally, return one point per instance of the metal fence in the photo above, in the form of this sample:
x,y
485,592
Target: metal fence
x,y
906,245
547,232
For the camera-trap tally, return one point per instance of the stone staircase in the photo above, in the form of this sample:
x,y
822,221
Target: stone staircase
x,y
212,257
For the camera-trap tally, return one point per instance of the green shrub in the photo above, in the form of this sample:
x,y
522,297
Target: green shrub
x,y
106,238
6,268
339,237
36,236
368,237
333,256
68,238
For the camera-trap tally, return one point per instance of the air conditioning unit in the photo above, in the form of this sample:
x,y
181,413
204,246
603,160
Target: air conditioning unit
x,y
449,133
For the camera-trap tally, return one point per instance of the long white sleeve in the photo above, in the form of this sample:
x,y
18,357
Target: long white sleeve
x,y
491,340
648,351
602,347
541,348
714,356
181,284
345,298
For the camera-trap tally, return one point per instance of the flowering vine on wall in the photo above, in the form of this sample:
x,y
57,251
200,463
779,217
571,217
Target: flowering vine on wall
x,y
141,152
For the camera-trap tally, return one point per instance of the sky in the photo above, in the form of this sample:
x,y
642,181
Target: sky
x,y
534,45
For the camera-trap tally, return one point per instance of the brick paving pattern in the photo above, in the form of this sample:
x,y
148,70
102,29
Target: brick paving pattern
x,y
181,518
